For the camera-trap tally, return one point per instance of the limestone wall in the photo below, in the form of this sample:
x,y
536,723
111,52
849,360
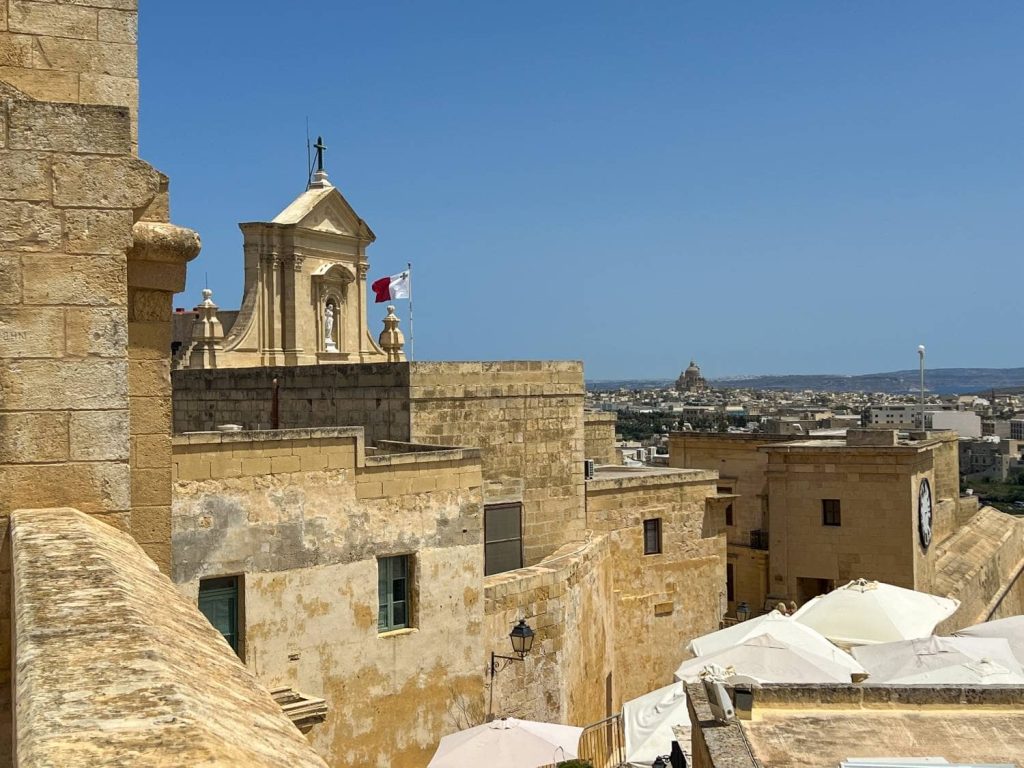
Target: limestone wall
x,y
527,419
877,537
303,515
82,52
599,437
679,593
115,668
979,567
371,396
568,676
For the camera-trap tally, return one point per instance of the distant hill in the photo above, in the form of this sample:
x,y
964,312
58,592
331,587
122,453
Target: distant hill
x,y
945,381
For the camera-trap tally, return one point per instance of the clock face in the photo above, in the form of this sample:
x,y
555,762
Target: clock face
x,y
924,513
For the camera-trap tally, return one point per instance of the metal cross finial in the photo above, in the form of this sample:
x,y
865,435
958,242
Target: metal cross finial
x,y
319,147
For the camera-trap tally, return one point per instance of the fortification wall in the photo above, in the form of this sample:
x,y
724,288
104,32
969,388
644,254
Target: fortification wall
x,y
527,419
568,677
304,516
599,437
678,592
372,396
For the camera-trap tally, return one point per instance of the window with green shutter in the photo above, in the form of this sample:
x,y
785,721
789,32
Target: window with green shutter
x,y
220,600
394,603
503,538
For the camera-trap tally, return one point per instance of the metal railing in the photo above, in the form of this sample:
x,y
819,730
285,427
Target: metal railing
x,y
603,743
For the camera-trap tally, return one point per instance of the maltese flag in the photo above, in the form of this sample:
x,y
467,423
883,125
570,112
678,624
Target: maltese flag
x,y
394,287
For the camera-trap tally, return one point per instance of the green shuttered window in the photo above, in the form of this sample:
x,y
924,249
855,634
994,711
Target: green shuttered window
x,y
503,538
220,601
394,577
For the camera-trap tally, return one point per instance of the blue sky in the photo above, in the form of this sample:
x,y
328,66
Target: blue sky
x,y
784,187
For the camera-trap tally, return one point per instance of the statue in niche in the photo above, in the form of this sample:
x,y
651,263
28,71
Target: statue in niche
x,y
329,344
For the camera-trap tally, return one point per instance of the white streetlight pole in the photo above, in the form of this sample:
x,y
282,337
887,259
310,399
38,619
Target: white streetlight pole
x,y
920,354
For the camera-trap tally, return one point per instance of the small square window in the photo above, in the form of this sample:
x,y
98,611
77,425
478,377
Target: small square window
x,y
830,512
652,536
394,596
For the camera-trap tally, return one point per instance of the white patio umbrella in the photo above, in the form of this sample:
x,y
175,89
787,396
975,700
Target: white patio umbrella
x,y
648,720
779,626
507,743
764,659
1010,629
867,612
941,660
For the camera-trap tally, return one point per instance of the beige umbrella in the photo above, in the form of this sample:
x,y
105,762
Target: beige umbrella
x,y
507,743
867,612
941,661
1010,629
766,659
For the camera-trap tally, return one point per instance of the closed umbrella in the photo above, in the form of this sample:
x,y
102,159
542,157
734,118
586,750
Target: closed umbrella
x,y
1010,629
867,612
765,659
941,660
648,724
507,743
781,627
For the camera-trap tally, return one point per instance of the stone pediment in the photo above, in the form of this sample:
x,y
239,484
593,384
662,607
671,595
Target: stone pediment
x,y
324,209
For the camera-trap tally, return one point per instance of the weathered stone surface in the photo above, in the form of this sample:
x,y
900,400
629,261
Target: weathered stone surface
x,y
124,5
31,332
28,226
27,438
119,26
75,280
96,332
97,231
118,59
118,698
15,50
95,181
152,416
101,486
10,278
57,20
108,89
62,384
24,176
98,435
151,451
43,84
85,128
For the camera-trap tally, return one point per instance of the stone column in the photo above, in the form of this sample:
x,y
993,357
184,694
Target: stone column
x,y
156,271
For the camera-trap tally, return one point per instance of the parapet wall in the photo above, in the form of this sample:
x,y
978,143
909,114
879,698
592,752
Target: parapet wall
x,y
115,668
372,396
566,600
527,418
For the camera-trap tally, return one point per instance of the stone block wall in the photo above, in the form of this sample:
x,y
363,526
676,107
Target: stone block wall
x,y
677,593
599,437
372,396
302,516
72,52
569,675
527,419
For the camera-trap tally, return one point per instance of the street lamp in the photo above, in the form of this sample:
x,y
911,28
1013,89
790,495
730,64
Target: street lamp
x,y
743,611
522,642
920,354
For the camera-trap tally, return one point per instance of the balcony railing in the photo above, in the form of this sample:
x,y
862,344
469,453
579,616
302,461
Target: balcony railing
x,y
759,539
604,743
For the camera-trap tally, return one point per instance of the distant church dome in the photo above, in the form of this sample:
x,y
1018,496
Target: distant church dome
x,y
694,368
690,380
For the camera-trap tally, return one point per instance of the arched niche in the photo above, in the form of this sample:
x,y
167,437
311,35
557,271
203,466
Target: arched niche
x,y
330,294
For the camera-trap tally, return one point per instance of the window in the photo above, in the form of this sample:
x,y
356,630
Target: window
x,y
394,604
730,584
220,600
830,514
503,538
728,515
652,536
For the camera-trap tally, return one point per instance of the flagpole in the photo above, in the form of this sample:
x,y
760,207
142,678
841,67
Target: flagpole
x,y
412,337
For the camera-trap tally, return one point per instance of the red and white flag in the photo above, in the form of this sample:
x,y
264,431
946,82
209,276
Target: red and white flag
x,y
393,287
